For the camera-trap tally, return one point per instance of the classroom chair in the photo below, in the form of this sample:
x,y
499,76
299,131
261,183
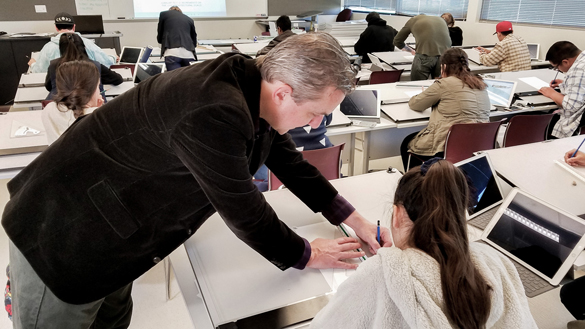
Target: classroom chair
x,y
385,76
124,66
465,138
344,15
525,129
327,160
45,103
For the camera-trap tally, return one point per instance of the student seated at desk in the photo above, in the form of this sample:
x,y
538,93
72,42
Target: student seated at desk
x,y
377,37
283,28
78,94
432,277
458,97
510,53
72,48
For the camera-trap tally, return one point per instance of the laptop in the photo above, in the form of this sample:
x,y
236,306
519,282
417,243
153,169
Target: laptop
x,y
143,71
500,92
338,119
376,64
486,192
542,241
534,49
89,24
362,105
130,55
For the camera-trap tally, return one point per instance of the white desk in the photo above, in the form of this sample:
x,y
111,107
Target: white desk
x,y
31,94
250,48
222,280
223,42
32,80
17,152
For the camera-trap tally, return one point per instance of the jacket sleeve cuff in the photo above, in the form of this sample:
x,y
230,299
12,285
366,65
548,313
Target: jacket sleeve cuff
x,y
338,210
305,258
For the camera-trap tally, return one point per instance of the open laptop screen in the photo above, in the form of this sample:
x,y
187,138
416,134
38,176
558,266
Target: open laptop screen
x,y
534,49
535,233
89,24
130,55
144,71
500,92
484,188
361,104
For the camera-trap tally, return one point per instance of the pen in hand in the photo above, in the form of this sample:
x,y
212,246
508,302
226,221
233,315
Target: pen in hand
x,y
379,229
555,79
577,150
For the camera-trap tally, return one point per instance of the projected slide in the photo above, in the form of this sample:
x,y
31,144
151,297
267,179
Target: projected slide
x,y
195,8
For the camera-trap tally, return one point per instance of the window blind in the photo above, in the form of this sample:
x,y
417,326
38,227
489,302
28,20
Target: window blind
x,y
457,8
544,12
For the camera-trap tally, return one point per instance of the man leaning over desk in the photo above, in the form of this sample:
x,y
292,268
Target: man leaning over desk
x,y
565,57
125,186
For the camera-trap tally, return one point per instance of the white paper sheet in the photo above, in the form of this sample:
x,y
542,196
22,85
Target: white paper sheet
x,y
534,82
411,93
409,57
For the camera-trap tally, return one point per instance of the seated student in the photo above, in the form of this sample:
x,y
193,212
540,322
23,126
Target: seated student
x,y
455,32
432,276
567,58
458,97
510,53
64,24
72,48
283,27
77,94
378,36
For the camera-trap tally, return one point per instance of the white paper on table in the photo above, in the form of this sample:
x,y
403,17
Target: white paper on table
x,y
578,172
409,57
411,93
325,230
534,82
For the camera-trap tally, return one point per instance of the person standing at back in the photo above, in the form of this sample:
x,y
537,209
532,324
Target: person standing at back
x,y
378,36
510,53
432,39
178,39
455,32
64,23
283,28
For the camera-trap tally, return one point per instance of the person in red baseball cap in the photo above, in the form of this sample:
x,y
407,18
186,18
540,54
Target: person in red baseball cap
x,y
510,53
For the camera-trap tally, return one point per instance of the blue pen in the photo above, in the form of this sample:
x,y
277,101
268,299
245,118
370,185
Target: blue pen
x,y
379,230
577,150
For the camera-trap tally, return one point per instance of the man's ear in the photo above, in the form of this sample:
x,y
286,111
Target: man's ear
x,y
281,93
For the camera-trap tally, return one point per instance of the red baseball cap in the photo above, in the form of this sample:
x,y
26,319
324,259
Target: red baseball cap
x,y
503,26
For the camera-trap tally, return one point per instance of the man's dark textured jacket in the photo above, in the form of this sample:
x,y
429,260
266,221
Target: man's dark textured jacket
x,y
126,185
175,30
377,37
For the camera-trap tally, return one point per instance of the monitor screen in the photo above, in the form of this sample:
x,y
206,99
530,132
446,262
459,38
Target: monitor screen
x,y
130,55
145,71
361,103
89,24
533,48
536,234
484,188
500,92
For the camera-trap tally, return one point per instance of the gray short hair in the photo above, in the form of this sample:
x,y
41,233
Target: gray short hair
x,y
308,63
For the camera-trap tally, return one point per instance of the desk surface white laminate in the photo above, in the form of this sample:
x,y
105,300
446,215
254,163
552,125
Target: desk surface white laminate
x,y
10,122
545,75
532,168
112,90
125,72
391,57
31,94
250,48
223,42
237,283
32,80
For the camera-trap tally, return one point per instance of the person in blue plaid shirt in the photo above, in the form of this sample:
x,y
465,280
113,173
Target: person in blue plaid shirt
x,y
565,57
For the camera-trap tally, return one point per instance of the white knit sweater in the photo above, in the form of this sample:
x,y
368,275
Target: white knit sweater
x,y
402,289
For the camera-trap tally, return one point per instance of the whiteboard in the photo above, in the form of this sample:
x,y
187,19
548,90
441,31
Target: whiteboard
x,y
114,9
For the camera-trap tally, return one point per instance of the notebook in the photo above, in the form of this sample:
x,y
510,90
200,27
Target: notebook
x,y
541,240
130,55
362,105
143,71
500,92
486,191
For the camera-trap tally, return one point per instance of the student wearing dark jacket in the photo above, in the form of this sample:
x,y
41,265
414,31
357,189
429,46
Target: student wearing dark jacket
x,y
283,28
455,32
72,48
178,39
377,37
128,184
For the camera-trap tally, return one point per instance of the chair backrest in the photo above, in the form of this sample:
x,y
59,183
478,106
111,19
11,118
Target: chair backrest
x,y
45,103
385,76
124,66
582,131
524,129
326,160
344,15
465,138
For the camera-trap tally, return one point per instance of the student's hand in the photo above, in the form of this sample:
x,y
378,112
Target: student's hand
x,y
577,160
555,83
331,253
368,231
412,51
482,50
547,91
31,61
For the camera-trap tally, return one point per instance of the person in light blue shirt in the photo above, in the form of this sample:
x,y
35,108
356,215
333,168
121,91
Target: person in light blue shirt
x,y
64,23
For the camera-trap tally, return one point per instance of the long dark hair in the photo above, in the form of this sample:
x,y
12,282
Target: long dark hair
x,y
457,65
435,199
76,83
72,48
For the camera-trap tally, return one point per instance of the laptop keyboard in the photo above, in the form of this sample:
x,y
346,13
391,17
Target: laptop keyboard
x,y
482,220
533,284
